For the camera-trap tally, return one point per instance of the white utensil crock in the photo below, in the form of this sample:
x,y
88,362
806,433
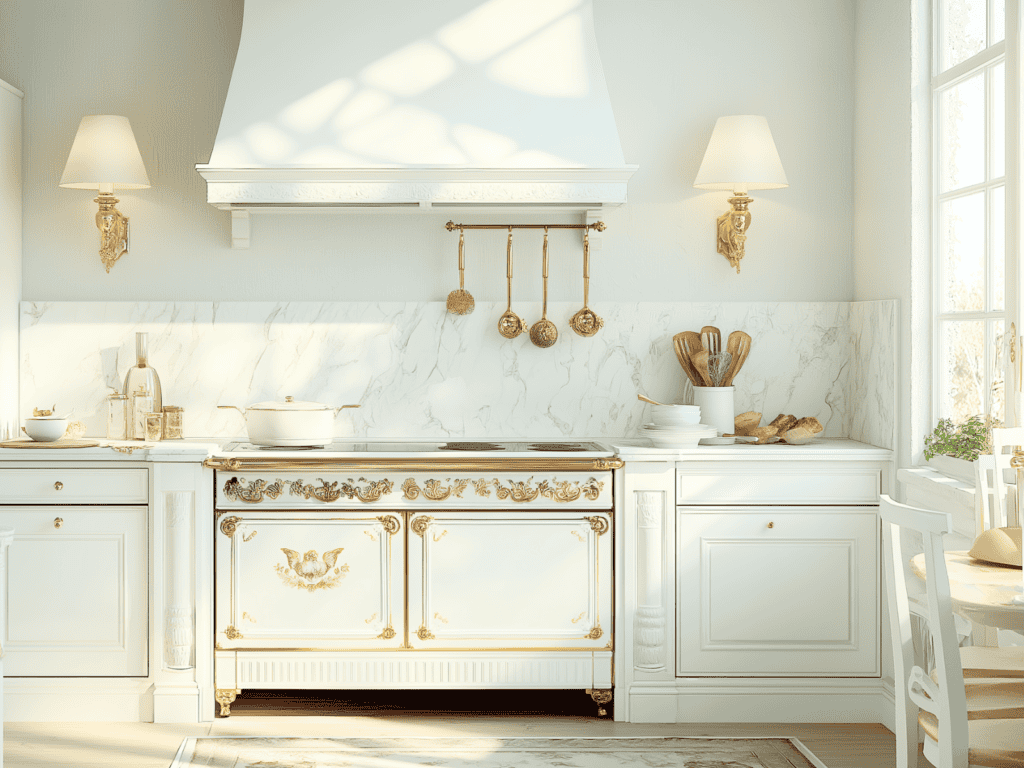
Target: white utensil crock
x,y
717,407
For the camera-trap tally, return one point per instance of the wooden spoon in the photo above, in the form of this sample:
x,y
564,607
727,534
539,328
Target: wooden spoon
x,y
711,337
739,347
700,362
645,399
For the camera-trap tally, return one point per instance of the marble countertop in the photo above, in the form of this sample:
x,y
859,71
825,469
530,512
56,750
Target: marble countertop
x,y
629,449
640,449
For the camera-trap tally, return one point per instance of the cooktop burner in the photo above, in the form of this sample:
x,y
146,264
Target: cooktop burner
x,y
507,448
471,447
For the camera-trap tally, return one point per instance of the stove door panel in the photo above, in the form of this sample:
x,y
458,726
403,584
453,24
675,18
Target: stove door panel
x,y
290,580
504,579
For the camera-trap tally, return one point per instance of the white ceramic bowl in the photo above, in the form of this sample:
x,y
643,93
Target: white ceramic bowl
x,y
672,415
46,430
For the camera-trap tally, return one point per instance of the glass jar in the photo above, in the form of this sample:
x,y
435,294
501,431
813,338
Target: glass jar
x,y
154,426
117,416
173,417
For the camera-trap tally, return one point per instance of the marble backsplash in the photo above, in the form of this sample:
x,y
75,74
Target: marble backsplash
x,y
419,372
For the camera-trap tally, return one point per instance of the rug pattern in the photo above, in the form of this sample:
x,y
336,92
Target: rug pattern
x,y
519,752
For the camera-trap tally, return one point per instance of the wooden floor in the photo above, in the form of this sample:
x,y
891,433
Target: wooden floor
x,y
424,713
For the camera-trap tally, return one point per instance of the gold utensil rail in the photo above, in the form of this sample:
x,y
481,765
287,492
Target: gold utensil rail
x,y
553,464
451,226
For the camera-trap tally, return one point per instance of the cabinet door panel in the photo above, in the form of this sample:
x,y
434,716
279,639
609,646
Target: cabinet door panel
x,y
291,581
490,580
778,591
77,594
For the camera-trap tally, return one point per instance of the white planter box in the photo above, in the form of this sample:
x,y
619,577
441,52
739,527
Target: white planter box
x,y
958,468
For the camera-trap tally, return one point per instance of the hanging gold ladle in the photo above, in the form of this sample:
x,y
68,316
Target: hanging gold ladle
x,y
543,333
586,322
510,324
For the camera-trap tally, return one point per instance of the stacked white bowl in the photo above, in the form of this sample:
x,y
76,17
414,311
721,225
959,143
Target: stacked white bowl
x,y
676,426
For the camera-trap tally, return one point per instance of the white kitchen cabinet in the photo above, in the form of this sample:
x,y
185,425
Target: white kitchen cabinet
x,y
296,581
10,255
77,591
777,591
484,581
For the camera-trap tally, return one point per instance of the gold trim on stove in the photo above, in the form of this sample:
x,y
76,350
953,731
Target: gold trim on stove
x,y
442,464
254,492
229,525
433,490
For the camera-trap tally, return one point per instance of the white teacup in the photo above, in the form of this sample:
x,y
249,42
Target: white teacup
x,y
45,430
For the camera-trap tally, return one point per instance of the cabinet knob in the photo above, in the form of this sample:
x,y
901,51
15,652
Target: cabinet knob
x,y
58,486
771,525
58,522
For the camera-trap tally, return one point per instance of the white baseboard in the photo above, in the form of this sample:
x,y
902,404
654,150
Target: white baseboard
x,y
773,701
48,699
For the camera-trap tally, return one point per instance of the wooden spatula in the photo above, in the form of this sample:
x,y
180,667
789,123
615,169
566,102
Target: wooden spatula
x,y
684,361
739,347
700,362
711,338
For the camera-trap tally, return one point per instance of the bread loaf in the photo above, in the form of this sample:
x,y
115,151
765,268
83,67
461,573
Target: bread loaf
x,y
746,422
810,423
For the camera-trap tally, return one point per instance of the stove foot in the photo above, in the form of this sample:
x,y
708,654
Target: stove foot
x,y
601,696
224,697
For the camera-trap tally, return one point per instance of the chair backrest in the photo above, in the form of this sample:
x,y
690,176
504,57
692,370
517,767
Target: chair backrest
x,y
1004,440
947,699
989,504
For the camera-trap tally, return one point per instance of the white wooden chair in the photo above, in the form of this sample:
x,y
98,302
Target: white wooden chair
x,y
964,726
997,514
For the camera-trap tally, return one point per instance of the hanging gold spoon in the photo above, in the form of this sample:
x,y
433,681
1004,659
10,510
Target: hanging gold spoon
x,y
510,324
586,322
460,301
544,333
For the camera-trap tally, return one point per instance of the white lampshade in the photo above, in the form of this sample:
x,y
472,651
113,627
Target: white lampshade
x,y
105,154
740,156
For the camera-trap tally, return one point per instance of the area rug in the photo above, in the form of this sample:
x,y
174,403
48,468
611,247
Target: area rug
x,y
517,752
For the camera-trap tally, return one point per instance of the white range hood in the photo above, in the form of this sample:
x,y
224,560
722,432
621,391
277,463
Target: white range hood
x,y
476,105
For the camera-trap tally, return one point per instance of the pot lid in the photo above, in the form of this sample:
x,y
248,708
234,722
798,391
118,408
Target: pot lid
x,y
289,404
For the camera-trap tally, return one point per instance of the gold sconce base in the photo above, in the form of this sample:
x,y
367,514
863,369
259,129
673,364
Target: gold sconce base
x,y
113,226
732,228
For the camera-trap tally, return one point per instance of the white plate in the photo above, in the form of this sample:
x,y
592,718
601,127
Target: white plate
x,y
683,428
718,441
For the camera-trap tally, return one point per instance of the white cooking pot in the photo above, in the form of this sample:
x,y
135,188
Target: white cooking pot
x,y
289,423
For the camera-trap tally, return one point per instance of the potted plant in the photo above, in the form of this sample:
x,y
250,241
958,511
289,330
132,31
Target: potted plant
x,y
952,448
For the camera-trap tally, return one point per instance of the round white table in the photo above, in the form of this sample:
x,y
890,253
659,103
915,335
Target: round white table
x,y
981,592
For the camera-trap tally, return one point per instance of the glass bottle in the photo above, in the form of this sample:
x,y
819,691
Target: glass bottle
x,y
142,375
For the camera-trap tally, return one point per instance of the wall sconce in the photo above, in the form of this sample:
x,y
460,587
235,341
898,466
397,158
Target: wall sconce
x,y
740,156
104,156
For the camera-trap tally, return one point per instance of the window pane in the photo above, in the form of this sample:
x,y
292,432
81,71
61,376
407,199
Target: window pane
x,y
963,31
998,121
997,247
998,21
997,396
962,253
962,134
961,363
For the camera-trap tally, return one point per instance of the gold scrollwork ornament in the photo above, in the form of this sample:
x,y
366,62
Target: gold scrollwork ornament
x,y
232,634
388,633
519,492
480,486
420,525
598,524
254,492
424,634
229,525
390,523
433,489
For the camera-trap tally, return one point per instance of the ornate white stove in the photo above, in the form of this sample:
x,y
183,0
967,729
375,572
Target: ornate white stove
x,y
414,565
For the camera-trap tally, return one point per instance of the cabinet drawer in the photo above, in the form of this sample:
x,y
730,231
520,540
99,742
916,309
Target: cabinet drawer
x,y
778,591
77,593
74,486
776,483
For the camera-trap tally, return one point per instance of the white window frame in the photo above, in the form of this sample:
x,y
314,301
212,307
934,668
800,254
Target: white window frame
x,y
1006,51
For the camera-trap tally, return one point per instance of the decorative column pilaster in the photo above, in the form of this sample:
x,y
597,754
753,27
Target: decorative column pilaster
x,y
179,634
649,632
